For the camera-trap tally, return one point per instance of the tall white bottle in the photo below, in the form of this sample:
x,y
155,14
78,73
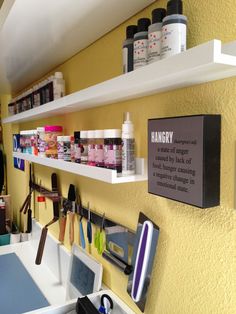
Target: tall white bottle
x,y
128,146
58,86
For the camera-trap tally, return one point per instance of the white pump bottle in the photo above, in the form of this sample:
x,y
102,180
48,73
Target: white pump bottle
x,y
128,146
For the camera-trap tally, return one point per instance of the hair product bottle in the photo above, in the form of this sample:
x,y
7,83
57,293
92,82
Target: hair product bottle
x,y
128,49
141,43
174,30
154,35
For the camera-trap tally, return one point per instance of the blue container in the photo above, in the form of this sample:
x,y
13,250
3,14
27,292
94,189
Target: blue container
x,y
5,239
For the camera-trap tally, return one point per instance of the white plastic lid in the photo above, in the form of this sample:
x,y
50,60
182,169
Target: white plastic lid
x,y
83,134
99,134
127,126
41,129
58,75
60,138
112,133
34,132
67,138
90,134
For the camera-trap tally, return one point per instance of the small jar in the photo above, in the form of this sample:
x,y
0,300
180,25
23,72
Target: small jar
x,y
84,147
113,149
66,147
91,148
99,148
51,133
60,147
41,141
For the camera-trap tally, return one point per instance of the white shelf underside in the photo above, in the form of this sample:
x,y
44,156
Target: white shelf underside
x,y
101,174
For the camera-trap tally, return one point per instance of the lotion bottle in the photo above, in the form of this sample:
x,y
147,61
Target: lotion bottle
x,y
128,149
174,30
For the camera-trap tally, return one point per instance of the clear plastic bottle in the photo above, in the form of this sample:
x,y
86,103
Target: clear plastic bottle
x,y
99,148
128,146
84,147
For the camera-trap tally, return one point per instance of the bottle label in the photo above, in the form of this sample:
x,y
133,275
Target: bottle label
x,y
99,155
173,39
41,144
128,154
140,53
125,59
91,154
84,154
77,151
112,156
60,150
67,151
154,46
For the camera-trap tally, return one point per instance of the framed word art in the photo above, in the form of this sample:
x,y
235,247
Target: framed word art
x,y
184,159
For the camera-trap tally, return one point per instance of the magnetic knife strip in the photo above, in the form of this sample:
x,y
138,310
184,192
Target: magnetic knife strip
x,y
95,218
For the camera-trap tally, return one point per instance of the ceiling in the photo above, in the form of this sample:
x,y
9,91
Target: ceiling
x,y
38,35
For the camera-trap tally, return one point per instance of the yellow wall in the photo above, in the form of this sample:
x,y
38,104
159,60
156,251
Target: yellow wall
x,y
194,270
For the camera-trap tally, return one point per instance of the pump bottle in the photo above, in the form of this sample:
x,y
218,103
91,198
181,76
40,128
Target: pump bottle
x,y
128,143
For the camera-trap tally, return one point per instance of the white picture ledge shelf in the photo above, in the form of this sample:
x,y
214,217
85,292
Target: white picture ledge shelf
x,y
101,174
207,62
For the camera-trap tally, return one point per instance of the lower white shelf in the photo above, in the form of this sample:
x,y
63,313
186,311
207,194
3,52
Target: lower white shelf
x,y
101,174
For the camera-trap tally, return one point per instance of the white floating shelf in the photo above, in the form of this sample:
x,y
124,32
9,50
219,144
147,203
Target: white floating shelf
x,y
197,65
101,174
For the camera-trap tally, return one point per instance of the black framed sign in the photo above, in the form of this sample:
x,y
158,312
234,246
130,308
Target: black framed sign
x,y
184,159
